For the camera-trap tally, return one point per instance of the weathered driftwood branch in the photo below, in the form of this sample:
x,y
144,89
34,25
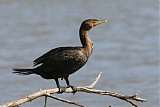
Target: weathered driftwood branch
x,y
87,89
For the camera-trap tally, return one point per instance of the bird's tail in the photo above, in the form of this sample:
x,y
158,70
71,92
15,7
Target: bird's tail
x,y
23,71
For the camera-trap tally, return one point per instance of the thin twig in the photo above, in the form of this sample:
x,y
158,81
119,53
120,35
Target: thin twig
x,y
95,81
64,100
45,103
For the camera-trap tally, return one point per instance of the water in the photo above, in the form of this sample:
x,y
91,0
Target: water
x,y
125,48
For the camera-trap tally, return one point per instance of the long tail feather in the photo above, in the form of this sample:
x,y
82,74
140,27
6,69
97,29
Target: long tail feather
x,y
23,71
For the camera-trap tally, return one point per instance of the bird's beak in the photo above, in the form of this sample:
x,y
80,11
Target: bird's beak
x,y
102,21
99,22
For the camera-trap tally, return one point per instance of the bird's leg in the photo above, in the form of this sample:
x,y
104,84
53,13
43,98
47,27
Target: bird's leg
x,y
68,85
61,89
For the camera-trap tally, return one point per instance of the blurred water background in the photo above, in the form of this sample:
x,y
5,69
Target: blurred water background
x,y
125,48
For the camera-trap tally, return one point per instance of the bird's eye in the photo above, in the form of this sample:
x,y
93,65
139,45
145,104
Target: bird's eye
x,y
95,21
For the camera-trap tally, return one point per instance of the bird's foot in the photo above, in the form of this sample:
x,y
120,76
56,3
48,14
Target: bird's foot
x,y
61,89
73,88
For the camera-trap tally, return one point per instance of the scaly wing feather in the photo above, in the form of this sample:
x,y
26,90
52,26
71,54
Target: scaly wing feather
x,y
45,57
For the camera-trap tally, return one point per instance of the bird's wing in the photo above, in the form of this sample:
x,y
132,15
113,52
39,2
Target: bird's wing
x,y
45,56
64,59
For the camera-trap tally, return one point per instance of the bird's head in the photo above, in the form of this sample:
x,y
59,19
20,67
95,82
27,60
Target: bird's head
x,y
90,23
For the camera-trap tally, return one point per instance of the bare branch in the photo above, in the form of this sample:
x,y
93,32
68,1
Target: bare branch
x,y
45,103
63,100
113,94
95,81
87,89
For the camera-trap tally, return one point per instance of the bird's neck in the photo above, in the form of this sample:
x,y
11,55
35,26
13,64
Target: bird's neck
x,y
86,42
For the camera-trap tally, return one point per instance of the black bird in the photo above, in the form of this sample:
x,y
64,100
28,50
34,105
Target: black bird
x,y
63,61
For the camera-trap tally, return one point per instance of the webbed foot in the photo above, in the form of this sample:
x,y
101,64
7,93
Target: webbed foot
x,y
61,89
73,88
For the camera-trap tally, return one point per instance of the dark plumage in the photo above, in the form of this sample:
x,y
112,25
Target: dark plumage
x,y
63,61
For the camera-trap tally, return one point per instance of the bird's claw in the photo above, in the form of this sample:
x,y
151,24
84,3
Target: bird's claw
x,y
61,89
73,88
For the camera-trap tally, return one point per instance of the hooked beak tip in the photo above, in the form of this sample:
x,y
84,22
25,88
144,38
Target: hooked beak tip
x,y
103,21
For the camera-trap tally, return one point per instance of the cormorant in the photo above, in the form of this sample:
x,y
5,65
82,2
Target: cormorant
x,y
63,61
